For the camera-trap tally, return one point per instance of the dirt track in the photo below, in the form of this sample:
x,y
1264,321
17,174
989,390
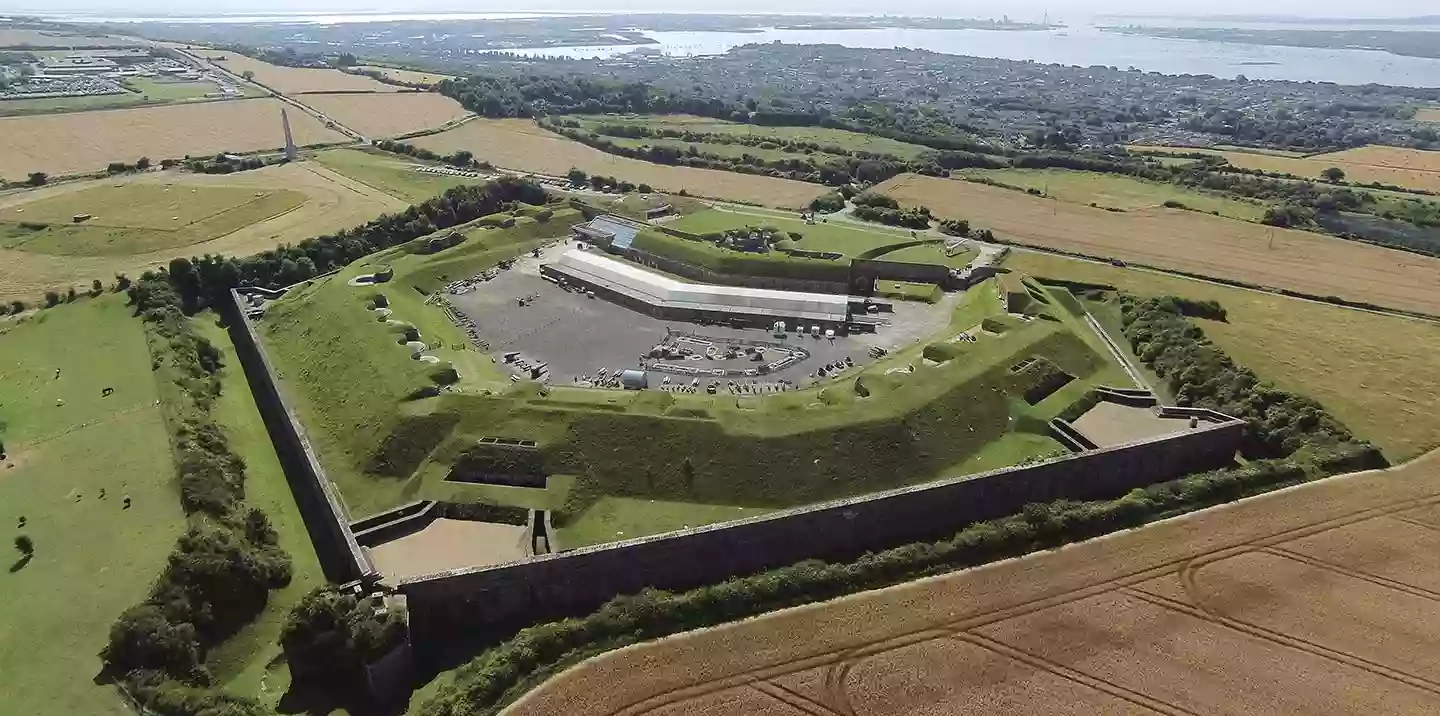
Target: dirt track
x,y
335,202
1189,241
1321,599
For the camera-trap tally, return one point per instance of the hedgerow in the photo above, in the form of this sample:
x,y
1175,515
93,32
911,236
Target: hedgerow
x,y
222,569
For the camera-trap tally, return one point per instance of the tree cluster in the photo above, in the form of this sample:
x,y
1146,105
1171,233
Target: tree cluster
x,y
332,634
460,158
877,207
1199,374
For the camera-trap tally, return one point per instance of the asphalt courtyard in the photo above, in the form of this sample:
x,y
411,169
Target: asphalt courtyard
x,y
577,335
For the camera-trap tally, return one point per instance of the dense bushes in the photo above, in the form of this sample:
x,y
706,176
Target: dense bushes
x,y
502,673
917,218
222,569
828,203
332,634
481,512
1199,374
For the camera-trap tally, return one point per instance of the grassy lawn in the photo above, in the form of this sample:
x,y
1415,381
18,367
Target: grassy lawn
x,y
138,218
93,558
617,518
830,236
1117,191
1012,449
853,141
396,177
246,663
1375,373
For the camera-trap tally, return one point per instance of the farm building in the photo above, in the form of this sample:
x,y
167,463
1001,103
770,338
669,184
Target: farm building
x,y
667,298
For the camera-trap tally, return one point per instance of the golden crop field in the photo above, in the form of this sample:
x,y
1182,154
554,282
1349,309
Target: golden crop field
x,y
37,38
1188,241
1320,599
520,145
80,142
1374,372
1388,157
332,202
387,115
1360,167
292,80
412,76
1431,114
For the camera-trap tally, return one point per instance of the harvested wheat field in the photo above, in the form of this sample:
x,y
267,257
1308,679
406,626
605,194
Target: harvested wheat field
x,y
1377,373
292,80
390,114
1431,114
1390,157
411,76
1189,241
332,202
1360,167
80,142
1320,599
520,145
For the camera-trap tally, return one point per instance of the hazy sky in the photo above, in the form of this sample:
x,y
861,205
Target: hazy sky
x,y
1019,9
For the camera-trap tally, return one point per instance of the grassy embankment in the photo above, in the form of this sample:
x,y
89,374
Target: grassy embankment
x,y
345,369
137,218
1374,372
247,664
93,558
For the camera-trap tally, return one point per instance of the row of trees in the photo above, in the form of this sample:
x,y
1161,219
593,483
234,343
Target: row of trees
x,y
199,279
1199,374
462,158
880,208
221,571
579,179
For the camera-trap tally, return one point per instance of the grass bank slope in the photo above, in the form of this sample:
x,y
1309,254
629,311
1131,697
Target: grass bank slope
x,y
1189,241
93,558
1375,373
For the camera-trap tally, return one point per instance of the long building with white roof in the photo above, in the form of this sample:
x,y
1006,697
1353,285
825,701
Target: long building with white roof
x,y
665,297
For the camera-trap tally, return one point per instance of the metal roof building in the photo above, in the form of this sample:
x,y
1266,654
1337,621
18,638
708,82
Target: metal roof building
x,y
633,282
618,233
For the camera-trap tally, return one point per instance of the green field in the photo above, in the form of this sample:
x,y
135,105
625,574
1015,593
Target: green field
x,y
396,177
1117,192
246,663
1375,373
136,218
853,141
93,558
